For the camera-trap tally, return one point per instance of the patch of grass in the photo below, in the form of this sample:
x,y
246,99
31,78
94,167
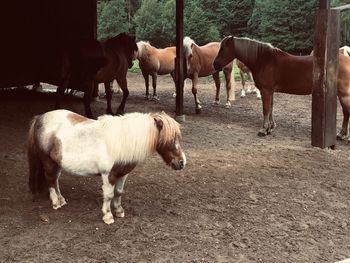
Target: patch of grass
x,y
135,68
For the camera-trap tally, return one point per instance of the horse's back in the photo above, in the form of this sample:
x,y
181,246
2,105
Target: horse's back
x,y
292,74
344,78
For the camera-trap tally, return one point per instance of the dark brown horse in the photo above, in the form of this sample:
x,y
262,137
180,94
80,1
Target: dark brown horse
x,y
276,70
120,51
199,63
64,64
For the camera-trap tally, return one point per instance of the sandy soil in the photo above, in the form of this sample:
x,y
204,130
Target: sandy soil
x,y
241,198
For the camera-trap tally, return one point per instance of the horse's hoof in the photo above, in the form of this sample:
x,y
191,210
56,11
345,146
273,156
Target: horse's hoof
x,y
155,98
108,218
227,105
242,96
119,112
342,137
216,102
120,214
146,97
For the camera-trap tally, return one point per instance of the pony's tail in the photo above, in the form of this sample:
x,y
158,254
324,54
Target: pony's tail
x,y
37,180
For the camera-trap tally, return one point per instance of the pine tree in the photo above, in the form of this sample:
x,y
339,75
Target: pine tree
x,y
111,19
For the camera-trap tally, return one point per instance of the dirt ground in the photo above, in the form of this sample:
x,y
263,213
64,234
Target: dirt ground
x,y
241,198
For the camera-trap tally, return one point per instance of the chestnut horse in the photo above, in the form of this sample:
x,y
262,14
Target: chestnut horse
x,y
120,51
199,63
243,70
110,146
276,70
155,61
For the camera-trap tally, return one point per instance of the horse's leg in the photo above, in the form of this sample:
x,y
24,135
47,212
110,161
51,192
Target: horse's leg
x,y
243,84
194,92
117,200
271,119
61,199
108,194
267,102
61,89
344,132
146,77
172,74
109,93
52,172
87,99
216,78
124,86
154,85
229,93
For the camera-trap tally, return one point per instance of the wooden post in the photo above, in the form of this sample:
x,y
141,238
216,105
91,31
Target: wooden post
x,y
325,71
179,61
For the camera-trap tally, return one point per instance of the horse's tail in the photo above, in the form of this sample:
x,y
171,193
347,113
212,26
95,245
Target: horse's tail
x,y
37,180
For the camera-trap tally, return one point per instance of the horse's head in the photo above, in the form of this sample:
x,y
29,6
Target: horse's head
x,y
188,53
127,43
131,49
168,144
226,53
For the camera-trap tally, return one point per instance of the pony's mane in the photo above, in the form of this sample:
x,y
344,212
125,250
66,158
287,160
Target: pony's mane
x,y
170,130
187,43
132,137
142,47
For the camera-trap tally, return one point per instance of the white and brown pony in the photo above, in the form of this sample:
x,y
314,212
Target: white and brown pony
x,y
199,63
277,71
250,87
155,61
110,146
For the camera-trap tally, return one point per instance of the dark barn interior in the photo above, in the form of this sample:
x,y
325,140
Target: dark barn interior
x,y
29,27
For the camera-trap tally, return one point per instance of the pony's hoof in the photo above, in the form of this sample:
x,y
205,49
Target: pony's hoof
x,y
155,98
62,201
146,97
198,110
119,212
108,218
262,133
242,95
216,102
227,105
56,206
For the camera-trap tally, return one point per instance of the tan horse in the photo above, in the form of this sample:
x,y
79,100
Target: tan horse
x,y
199,63
243,70
155,61
276,70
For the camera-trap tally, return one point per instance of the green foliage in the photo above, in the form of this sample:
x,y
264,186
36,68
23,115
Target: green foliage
x,y
233,16
111,19
198,26
135,67
155,22
344,22
286,24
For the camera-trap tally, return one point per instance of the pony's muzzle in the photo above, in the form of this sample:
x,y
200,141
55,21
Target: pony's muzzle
x,y
179,165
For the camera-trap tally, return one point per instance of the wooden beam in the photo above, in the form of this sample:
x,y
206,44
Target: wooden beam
x,y
179,61
324,95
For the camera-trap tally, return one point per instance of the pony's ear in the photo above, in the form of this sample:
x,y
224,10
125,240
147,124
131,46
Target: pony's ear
x,y
159,123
